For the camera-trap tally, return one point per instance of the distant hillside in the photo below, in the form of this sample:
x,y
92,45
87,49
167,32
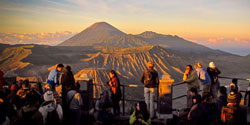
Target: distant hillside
x,y
129,63
11,58
173,42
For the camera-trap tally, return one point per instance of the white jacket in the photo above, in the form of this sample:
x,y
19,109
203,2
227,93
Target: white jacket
x,y
49,108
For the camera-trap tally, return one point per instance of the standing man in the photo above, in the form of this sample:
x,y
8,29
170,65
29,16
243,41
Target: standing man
x,y
150,80
53,78
203,76
214,72
190,77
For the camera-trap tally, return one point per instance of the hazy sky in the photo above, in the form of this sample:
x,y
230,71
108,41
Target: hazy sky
x,y
197,20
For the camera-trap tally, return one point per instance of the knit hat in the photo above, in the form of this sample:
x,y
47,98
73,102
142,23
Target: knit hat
x,y
231,97
150,64
48,96
212,65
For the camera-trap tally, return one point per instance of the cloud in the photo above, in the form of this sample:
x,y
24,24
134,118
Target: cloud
x,y
35,38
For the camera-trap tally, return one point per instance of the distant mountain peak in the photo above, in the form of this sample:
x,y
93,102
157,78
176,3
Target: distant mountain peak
x,y
101,25
93,34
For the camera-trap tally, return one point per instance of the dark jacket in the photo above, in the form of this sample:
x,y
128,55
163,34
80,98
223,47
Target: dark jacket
x,y
197,98
192,80
106,117
222,101
28,115
154,81
213,73
67,79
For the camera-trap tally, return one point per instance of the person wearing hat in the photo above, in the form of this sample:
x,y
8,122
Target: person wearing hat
x,y
50,106
214,72
232,114
150,79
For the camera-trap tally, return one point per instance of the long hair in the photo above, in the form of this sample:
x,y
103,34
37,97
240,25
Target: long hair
x,y
143,110
115,75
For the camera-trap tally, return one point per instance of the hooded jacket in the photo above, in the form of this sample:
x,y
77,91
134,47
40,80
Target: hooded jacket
x,y
44,109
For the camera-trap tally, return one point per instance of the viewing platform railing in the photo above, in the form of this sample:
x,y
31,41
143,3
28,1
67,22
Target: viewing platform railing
x,y
123,87
173,85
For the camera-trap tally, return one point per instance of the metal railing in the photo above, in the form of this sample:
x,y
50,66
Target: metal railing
x,y
142,86
173,85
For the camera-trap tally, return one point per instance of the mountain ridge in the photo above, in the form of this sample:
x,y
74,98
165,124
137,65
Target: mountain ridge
x,y
104,34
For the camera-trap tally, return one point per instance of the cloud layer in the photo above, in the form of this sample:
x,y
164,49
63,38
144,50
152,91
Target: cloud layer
x,y
35,38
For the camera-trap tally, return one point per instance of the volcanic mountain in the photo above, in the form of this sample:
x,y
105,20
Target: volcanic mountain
x,y
104,34
93,34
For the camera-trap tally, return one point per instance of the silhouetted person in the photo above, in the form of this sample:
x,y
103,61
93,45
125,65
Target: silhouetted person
x,y
232,114
222,100
53,78
105,116
196,97
74,103
150,79
29,114
190,77
214,72
67,79
201,113
114,84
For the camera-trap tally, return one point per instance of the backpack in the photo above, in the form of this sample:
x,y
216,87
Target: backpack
x,y
148,78
227,115
202,75
53,118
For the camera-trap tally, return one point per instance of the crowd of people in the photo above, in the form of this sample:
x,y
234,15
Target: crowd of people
x,y
211,107
24,103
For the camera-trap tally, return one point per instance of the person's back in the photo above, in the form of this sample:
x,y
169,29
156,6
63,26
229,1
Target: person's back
x,y
150,78
74,100
74,106
203,76
52,113
232,114
67,77
29,114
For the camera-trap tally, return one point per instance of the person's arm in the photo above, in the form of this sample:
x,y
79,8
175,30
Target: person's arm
x,y
97,105
193,77
60,80
157,79
142,78
56,78
218,71
148,122
59,111
192,109
185,76
132,118
78,98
